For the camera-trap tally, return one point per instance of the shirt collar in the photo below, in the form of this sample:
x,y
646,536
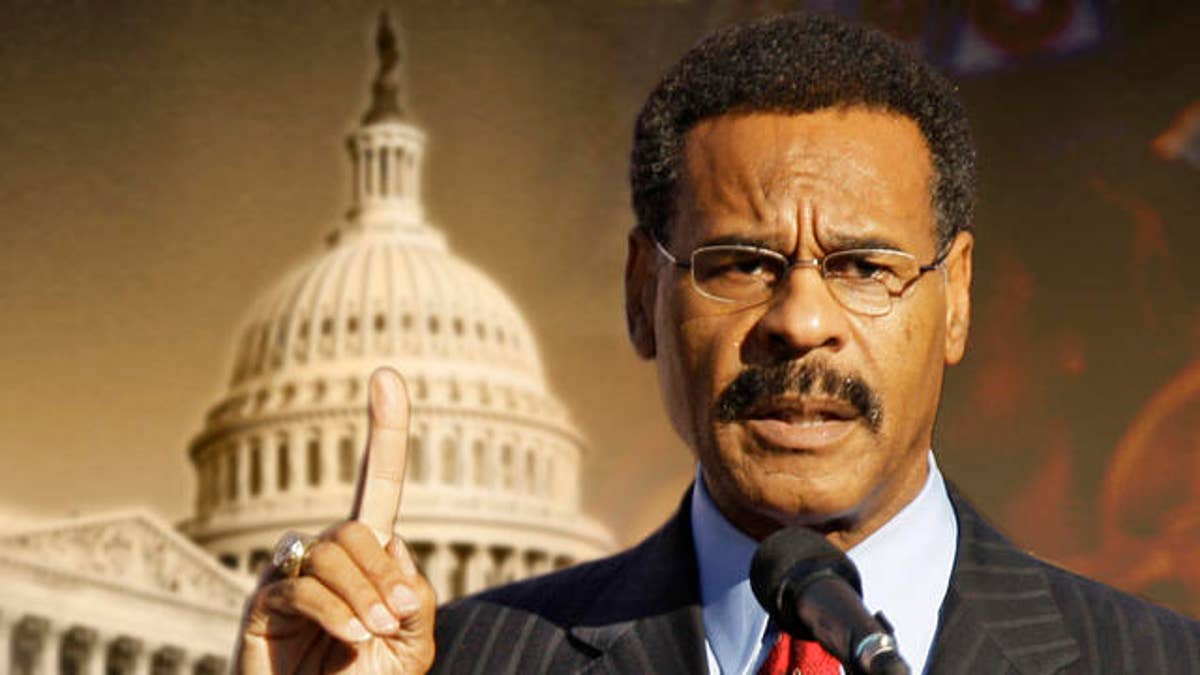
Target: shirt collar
x,y
905,568
734,623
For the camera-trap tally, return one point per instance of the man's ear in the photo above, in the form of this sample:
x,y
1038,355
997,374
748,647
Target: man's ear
x,y
641,285
958,296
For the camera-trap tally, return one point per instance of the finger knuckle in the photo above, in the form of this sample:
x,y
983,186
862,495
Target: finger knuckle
x,y
362,593
350,533
322,555
382,568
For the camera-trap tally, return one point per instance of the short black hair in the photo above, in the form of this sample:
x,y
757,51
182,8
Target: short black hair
x,y
797,63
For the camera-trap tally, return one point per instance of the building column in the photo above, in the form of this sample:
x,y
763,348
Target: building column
x,y
524,480
438,570
300,458
220,476
7,624
574,500
433,456
242,448
372,182
268,454
201,485
399,182
98,654
298,464
543,473
553,489
51,647
475,574
414,174
216,471
330,462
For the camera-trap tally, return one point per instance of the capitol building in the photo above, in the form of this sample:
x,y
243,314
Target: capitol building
x,y
492,492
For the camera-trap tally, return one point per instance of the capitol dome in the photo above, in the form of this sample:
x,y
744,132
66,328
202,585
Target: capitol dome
x,y
492,492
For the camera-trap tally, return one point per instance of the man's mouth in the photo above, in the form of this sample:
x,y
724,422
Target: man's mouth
x,y
802,424
807,410
810,393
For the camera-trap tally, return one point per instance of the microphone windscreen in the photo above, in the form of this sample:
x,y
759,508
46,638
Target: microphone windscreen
x,y
795,555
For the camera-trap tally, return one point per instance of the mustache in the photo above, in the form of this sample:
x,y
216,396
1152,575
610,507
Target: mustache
x,y
756,386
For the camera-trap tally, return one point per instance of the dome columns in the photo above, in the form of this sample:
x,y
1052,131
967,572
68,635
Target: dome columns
x,y
386,160
457,568
461,454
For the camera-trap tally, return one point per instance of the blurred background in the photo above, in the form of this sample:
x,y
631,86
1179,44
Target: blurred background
x,y
163,163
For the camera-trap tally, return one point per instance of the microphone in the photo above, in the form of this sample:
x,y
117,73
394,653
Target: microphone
x,y
812,591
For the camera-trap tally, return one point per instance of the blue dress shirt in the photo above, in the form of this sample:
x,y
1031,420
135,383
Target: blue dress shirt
x,y
905,568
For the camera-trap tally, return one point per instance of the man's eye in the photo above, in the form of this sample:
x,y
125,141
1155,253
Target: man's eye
x,y
859,267
736,267
747,267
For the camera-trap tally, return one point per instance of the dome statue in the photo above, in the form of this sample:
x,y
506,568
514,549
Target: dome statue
x,y
492,492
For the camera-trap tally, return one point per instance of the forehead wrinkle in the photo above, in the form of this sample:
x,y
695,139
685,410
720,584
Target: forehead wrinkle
x,y
825,184
756,192
720,187
706,178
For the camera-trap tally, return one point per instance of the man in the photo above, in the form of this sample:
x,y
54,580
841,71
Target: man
x,y
800,273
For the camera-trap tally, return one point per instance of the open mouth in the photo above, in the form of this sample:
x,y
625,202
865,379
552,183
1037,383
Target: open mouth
x,y
802,424
806,410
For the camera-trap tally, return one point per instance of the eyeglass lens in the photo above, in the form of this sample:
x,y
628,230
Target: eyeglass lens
x,y
861,280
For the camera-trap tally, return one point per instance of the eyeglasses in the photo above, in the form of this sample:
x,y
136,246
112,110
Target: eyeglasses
x,y
865,280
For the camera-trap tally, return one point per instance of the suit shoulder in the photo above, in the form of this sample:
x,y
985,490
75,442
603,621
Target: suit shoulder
x,y
1080,597
1114,631
1084,598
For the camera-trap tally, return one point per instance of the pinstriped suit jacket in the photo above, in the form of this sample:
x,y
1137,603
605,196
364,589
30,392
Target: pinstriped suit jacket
x,y
639,612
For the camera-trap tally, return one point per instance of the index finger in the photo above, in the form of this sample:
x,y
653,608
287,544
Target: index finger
x,y
377,497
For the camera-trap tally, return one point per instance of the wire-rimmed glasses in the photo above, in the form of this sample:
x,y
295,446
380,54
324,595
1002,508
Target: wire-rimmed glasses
x,y
863,280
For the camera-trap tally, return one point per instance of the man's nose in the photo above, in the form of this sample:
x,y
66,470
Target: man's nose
x,y
801,316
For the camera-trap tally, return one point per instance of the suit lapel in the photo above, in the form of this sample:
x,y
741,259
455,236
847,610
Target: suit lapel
x,y
647,618
998,608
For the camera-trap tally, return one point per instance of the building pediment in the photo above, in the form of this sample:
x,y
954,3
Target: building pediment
x,y
134,550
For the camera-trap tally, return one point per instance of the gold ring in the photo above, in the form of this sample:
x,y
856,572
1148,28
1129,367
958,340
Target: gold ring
x,y
291,552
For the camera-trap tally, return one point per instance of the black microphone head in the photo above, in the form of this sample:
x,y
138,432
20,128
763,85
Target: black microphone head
x,y
790,559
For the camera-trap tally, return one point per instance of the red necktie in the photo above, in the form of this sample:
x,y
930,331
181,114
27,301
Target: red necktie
x,y
790,656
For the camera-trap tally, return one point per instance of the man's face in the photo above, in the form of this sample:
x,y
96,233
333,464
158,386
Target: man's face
x,y
800,410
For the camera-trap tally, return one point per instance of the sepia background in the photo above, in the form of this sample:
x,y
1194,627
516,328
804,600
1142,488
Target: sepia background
x,y
162,163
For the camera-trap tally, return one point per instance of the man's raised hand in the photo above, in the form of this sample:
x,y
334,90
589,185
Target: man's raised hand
x,y
358,604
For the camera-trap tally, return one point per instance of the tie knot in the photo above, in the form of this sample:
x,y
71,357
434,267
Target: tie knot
x,y
790,656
